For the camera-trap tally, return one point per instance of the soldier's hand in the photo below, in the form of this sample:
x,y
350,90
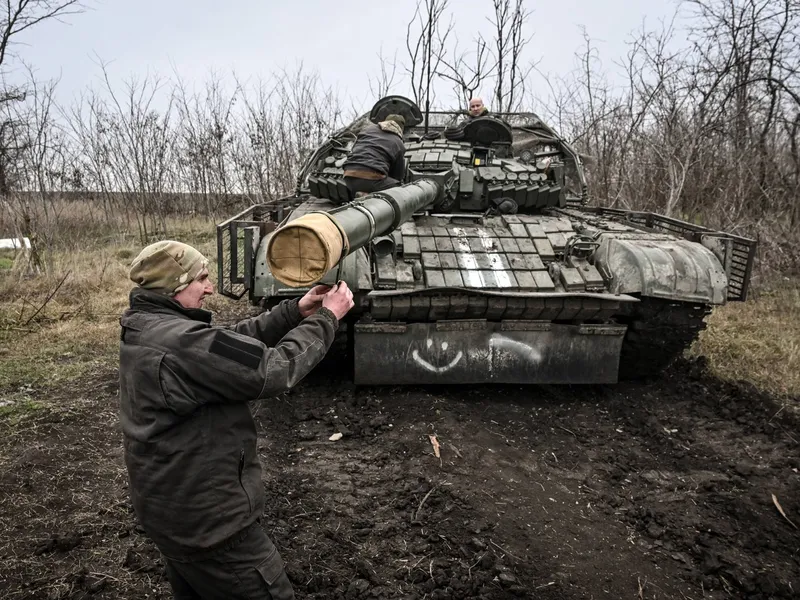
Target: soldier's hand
x,y
312,301
339,300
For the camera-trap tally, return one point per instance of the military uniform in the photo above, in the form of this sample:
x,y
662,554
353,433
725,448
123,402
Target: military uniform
x,y
484,113
456,132
189,436
377,160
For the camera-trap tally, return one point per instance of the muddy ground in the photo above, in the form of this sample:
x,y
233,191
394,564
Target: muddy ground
x,y
659,489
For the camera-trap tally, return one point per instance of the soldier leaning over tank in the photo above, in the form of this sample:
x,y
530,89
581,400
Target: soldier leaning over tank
x,y
189,435
376,161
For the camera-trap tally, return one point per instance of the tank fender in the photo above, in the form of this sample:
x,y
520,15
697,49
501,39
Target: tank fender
x,y
670,269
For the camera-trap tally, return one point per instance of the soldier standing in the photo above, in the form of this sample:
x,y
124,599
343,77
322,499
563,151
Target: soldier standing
x,y
189,435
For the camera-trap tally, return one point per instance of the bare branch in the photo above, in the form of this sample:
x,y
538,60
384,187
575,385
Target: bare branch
x,y
21,15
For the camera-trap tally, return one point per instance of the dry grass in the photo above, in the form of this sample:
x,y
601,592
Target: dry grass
x,y
46,341
758,340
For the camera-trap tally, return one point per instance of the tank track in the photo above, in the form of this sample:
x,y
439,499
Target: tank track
x,y
658,332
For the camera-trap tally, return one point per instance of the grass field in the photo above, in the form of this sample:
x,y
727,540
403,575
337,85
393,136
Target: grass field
x,y
65,324
757,340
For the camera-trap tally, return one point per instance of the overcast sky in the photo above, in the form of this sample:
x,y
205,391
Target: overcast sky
x,y
339,39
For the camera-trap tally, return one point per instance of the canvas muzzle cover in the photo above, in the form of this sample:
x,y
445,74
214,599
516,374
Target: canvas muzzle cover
x,y
302,251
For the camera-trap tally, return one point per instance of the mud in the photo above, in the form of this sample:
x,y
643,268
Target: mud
x,y
659,489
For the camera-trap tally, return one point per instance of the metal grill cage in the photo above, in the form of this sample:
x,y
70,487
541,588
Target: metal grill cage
x,y
237,239
228,280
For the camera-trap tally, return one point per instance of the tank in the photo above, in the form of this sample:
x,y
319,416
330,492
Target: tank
x,y
487,264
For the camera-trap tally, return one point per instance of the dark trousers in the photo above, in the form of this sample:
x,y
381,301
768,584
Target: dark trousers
x,y
250,569
355,184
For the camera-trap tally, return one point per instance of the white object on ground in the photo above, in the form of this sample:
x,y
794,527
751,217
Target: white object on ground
x,y
13,243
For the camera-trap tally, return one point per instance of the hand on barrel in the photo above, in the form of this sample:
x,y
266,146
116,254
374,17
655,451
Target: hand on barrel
x,y
312,301
339,300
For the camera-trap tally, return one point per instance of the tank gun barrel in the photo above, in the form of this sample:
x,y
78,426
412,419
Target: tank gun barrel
x,y
302,251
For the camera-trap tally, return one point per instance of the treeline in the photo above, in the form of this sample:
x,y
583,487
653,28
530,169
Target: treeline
x,y
704,127
706,131
157,148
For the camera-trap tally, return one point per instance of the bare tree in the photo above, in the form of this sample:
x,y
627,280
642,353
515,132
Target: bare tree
x,y
467,70
705,131
131,148
509,42
380,85
16,18
41,169
21,15
272,145
25,145
205,133
38,168
426,40
750,57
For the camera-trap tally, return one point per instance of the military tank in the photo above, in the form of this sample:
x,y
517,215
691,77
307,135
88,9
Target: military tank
x,y
487,264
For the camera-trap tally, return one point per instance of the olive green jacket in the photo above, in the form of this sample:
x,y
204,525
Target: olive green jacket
x,y
189,435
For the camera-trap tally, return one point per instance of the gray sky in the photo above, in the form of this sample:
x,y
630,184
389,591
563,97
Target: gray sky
x,y
338,39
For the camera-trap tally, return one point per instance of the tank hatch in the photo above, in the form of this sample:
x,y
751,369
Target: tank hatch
x,y
396,105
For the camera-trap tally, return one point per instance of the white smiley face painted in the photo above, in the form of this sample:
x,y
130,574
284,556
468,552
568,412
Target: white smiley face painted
x,y
432,368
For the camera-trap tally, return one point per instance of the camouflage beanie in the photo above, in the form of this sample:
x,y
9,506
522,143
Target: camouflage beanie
x,y
167,267
399,119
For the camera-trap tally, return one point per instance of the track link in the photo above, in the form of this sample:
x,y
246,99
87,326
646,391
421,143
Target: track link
x,y
658,332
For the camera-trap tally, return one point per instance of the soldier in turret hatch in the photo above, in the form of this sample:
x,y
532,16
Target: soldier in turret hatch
x,y
477,108
376,161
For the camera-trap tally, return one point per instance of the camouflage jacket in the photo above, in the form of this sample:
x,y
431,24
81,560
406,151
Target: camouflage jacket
x,y
379,150
189,435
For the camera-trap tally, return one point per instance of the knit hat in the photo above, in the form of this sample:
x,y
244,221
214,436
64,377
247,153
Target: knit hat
x,y
399,119
167,267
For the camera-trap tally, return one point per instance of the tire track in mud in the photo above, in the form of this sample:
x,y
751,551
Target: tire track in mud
x,y
651,490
